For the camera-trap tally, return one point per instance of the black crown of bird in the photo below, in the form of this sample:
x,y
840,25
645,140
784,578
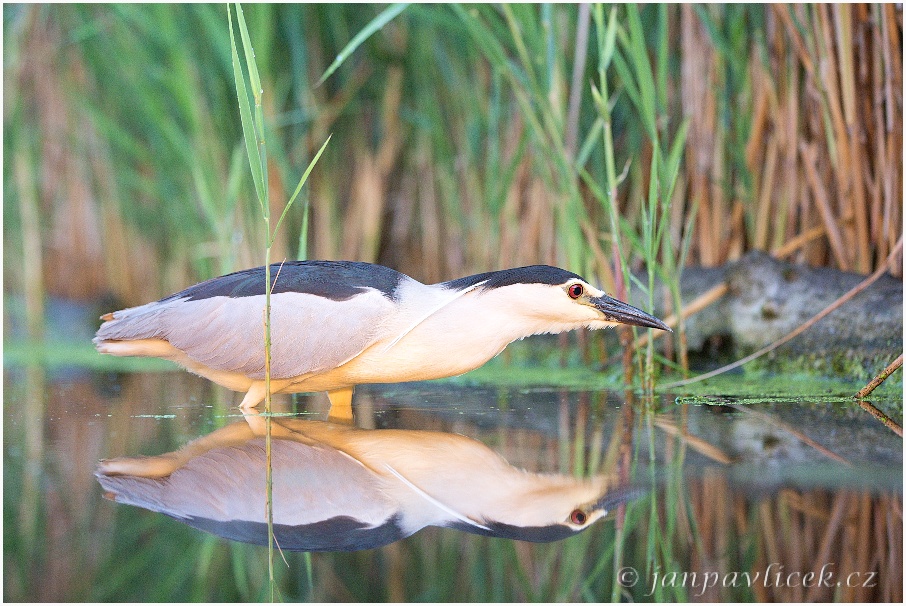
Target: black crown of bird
x,y
338,324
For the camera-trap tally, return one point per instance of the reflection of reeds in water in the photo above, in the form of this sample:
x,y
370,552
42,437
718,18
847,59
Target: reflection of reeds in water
x,y
847,533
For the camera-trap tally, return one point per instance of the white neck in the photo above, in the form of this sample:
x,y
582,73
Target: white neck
x,y
465,330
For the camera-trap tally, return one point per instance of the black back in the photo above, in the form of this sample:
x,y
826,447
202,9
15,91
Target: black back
x,y
336,280
532,274
533,534
341,533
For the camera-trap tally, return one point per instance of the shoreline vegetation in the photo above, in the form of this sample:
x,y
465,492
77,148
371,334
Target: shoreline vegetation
x,y
463,139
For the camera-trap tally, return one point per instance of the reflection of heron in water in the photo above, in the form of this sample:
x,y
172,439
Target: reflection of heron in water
x,y
339,488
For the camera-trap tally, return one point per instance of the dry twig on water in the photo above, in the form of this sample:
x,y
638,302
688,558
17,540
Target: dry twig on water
x,y
863,393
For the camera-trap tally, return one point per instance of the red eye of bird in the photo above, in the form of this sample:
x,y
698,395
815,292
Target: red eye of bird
x,y
578,517
576,291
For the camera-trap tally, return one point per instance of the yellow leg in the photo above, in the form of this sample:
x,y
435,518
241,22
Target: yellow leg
x,y
340,405
253,397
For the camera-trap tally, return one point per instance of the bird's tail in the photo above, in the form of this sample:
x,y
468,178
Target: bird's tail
x,y
123,332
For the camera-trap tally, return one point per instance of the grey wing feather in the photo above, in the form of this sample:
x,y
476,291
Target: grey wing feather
x,y
309,334
311,484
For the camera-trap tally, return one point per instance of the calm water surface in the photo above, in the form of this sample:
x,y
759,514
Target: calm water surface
x,y
761,500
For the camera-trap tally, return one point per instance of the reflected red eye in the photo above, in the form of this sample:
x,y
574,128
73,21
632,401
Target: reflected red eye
x,y
576,290
578,517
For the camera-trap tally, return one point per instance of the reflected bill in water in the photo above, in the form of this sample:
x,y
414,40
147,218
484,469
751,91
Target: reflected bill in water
x,y
341,488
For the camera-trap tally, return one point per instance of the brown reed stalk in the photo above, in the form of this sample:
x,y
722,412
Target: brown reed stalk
x,y
809,154
893,86
863,515
764,214
895,531
703,301
698,102
878,137
845,45
795,548
800,531
32,257
763,90
794,244
882,376
789,131
838,137
695,443
823,555
883,418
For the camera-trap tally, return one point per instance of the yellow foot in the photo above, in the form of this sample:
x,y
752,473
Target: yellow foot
x,y
340,406
253,397
249,409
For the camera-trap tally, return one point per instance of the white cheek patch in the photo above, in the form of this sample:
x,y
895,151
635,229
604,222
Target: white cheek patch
x,y
594,292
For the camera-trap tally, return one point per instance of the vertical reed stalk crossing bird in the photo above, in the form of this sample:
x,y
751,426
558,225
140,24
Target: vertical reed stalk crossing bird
x,y
338,324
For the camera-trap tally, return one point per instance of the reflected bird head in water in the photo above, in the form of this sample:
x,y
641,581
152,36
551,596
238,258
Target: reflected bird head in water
x,y
338,324
339,488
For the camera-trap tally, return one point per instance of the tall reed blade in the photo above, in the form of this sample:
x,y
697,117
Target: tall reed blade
x,y
377,23
253,127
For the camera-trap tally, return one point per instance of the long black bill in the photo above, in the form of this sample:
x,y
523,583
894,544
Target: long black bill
x,y
619,496
624,313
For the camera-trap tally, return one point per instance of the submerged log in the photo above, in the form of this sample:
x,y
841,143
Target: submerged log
x,y
768,298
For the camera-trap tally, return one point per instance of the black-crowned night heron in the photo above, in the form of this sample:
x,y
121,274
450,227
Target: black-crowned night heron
x,y
338,488
338,324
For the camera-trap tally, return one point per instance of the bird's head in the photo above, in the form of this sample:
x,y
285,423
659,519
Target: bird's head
x,y
556,299
557,507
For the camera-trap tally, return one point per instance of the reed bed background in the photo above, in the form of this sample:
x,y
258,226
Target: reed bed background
x,y
464,138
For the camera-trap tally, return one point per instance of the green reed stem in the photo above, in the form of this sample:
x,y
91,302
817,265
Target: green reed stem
x,y
253,128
